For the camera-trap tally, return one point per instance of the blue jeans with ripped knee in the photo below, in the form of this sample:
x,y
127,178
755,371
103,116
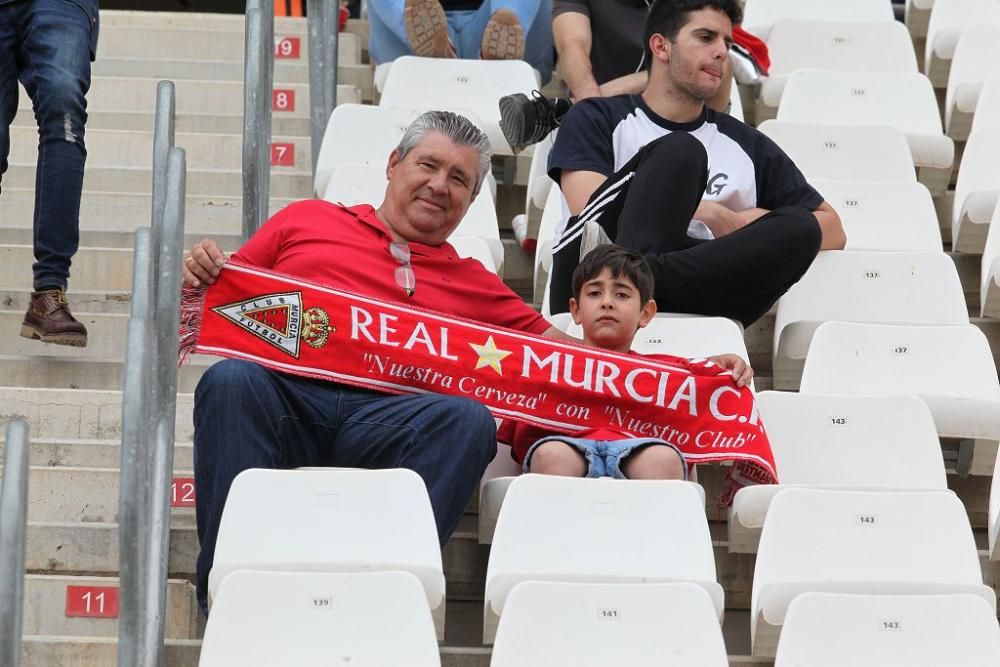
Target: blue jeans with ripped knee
x,y
47,45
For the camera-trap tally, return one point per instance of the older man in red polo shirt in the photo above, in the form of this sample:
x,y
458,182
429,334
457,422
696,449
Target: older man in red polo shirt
x,y
247,416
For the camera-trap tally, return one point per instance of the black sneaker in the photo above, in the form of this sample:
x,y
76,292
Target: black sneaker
x,y
525,121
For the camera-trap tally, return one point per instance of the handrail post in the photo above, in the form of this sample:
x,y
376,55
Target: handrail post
x,y
167,321
324,23
258,83
13,532
331,54
136,429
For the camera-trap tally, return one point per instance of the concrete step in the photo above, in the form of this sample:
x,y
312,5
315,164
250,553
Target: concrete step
x,y
94,301
146,20
91,453
286,182
118,213
83,372
78,414
46,650
89,495
93,268
46,604
123,148
107,336
228,70
211,44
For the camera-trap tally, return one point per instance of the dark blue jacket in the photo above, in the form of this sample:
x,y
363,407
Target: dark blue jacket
x,y
90,9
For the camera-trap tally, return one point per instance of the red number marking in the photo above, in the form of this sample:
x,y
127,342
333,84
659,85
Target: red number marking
x,y
182,492
288,47
92,601
283,100
282,155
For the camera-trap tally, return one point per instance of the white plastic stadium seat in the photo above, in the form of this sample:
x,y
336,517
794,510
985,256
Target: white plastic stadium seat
x,y
549,624
993,526
989,290
309,619
833,630
493,488
918,14
988,108
903,101
760,15
539,184
366,134
331,520
880,46
884,216
860,542
950,367
843,153
977,191
972,65
598,530
877,287
443,83
554,215
948,19
880,442
352,184
476,248
736,103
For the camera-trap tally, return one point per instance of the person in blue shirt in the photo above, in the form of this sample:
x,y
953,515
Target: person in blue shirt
x,y
48,46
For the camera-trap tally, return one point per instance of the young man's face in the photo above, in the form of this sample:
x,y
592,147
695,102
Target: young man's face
x,y
696,57
431,188
610,311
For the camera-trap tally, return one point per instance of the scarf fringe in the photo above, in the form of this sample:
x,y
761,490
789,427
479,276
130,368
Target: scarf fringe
x,y
192,306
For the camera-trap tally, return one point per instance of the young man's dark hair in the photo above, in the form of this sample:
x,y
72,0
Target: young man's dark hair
x,y
621,262
667,17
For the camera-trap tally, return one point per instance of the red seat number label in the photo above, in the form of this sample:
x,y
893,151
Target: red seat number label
x,y
182,492
92,601
288,47
282,155
283,100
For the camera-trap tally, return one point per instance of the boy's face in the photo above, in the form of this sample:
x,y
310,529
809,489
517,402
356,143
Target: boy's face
x,y
610,311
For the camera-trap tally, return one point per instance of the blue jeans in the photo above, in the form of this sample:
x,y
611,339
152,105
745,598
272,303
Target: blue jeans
x,y
387,40
604,457
46,44
246,416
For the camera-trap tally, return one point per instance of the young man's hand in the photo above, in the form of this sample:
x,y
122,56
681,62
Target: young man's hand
x,y
718,218
740,369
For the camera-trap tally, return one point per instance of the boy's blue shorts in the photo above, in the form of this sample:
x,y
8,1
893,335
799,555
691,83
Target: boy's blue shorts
x,y
604,457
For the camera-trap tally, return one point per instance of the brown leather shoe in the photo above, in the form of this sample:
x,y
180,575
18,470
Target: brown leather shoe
x,y
426,28
48,319
503,37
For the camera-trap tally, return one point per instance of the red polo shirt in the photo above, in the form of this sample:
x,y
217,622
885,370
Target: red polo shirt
x,y
349,249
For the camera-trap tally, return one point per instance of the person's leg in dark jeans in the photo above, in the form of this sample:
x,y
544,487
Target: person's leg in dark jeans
x,y
247,416
739,275
8,79
54,67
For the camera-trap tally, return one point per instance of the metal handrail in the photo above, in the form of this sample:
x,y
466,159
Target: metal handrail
x,y
13,532
324,38
258,84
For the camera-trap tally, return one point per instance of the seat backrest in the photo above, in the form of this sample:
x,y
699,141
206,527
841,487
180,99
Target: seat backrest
x,y
474,247
878,46
586,524
978,171
332,520
989,269
760,15
973,61
858,286
352,184
882,359
825,97
884,216
838,152
988,107
736,103
870,441
459,84
320,618
818,535
539,183
832,630
949,18
640,625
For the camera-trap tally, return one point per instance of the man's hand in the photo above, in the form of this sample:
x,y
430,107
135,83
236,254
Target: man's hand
x,y
203,263
742,373
718,218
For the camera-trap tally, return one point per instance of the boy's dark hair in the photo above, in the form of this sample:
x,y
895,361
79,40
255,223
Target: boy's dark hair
x,y
621,262
667,17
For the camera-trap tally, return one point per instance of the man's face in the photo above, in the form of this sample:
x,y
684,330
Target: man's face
x,y
699,52
430,189
610,311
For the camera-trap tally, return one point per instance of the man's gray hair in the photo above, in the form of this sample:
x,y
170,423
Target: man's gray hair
x,y
454,126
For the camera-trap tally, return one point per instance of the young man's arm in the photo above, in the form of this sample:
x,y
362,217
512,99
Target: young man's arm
x,y
723,221
573,40
578,186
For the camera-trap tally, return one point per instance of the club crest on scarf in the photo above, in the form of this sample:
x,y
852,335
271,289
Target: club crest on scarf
x,y
278,319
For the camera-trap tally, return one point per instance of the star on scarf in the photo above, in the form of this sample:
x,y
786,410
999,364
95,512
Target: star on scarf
x,y
489,355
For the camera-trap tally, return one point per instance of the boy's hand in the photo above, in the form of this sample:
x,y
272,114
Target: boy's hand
x,y
740,369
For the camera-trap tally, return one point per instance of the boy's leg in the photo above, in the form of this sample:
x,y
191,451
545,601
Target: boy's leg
x,y
652,461
555,457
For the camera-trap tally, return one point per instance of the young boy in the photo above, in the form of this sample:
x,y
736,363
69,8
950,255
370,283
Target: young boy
x,y
612,299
